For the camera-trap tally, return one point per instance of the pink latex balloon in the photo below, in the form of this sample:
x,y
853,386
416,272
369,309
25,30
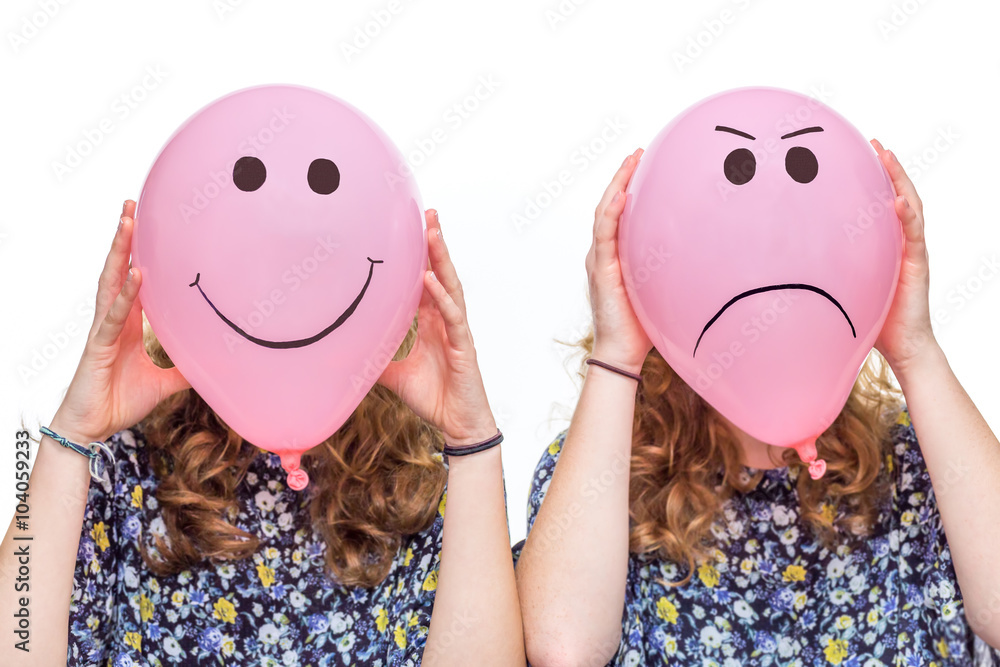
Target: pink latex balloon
x,y
282,245
760,250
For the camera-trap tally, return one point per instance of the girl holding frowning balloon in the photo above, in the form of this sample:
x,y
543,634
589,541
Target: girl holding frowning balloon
x,y
729,499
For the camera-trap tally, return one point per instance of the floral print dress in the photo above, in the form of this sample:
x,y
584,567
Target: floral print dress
x,y
773,595
278,607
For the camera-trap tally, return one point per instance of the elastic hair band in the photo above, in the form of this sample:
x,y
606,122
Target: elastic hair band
x,y
90,452
478,447
621,371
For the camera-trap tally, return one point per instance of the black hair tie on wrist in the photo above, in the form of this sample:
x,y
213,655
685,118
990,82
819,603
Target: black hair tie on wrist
x,y
451,450
620,371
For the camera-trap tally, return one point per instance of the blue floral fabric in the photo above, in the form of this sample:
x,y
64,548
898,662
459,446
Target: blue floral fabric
x,y
278,607
773,595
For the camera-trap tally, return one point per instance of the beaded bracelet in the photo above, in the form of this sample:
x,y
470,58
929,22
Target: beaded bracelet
x,y
478,447
90,452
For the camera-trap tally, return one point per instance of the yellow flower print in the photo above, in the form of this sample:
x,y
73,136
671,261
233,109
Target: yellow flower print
x,y
177,598
431,582
228,645
266,574
794,573
137,496
413,620
381,620
844,622
154,585
225,611
746,565
827,513
297,556
872,617
835,651
942,648
554,447
134,639
100,535
270,552
666,610
399,634
904,418
444,497
708,575
145,608
907,518
408,557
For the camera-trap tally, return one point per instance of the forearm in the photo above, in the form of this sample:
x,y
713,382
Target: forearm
x,y
57,496
571,573
476,618
963,459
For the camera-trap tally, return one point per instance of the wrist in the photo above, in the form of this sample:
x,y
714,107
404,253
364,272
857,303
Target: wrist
x,y
65,428
471,436
929,357
626,361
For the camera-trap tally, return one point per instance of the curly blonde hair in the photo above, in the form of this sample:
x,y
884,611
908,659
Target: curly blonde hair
x,y
686,462
372,482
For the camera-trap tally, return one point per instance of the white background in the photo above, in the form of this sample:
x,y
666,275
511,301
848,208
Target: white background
x,y
919,76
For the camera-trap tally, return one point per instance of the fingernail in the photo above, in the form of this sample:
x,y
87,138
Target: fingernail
x,y
129,276
906,204
434,276
124,205
892,156
627,158
618,195
121,221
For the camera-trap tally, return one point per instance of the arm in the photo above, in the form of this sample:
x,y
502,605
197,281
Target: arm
x,y
476,619
961,452
115,386
57,496
572,570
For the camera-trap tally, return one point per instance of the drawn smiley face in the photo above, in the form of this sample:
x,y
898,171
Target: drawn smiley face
x,y
323,176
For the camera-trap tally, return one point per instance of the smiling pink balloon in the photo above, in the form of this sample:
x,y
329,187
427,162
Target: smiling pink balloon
x,y
761,249
282,249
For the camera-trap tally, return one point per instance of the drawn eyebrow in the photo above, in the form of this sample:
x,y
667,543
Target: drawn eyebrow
x,y
723,128
805,131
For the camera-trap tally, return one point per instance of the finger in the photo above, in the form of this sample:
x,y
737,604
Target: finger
x,y
620,180
606,230
115,269
441,262
114,321
454,319
904,186
913,227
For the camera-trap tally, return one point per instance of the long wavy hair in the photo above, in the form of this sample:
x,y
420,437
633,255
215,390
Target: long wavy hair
x,y
372,482
686,462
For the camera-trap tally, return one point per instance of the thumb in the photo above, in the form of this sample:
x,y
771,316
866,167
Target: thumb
x,y
391,377
171,381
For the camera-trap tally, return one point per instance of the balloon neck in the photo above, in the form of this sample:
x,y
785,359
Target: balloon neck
x,y
298,479
807,452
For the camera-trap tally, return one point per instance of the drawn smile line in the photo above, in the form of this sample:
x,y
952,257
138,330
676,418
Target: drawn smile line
x,y
758,290
284,344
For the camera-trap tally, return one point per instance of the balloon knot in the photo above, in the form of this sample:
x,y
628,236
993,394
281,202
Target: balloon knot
x,y
817,468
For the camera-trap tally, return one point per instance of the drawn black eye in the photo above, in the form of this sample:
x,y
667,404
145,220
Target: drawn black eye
x,y
740,166
249,173
324,177
801,165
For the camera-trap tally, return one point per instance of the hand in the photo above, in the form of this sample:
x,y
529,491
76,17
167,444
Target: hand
x,y
116,383
619,339
907,332
439,379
